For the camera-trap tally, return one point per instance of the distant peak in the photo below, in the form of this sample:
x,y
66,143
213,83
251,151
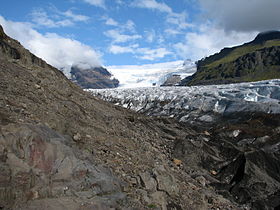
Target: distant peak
x,y
266,35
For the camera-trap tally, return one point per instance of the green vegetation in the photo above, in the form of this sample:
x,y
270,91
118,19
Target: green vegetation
x,y
243,50
152,206
253,61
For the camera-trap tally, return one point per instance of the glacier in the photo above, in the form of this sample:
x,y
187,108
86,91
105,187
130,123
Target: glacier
x,y
198,103
149,75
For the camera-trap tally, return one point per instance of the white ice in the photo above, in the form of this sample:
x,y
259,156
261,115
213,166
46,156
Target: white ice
x,y
149,75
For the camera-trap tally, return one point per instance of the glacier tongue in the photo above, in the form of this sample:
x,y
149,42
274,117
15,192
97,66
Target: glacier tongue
x,y
202,103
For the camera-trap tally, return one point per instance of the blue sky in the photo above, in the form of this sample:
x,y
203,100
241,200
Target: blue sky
x,y
134,32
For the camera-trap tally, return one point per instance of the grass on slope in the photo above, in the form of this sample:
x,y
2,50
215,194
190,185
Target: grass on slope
x,y
240,51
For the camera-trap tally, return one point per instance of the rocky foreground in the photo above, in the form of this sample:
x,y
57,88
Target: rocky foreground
x,y
62,148
237,130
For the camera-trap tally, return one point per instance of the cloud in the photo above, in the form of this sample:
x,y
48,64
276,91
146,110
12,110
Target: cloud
x,y
150,36
117,37
209,40
116,49
245,16
172,32
76,17
129,25
177,19
152,4
41,18
110,21
56,50
140,53
152,54
56,18
97,3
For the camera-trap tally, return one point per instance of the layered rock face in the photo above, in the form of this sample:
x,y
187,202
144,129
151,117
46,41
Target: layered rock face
x,y
61,148
253,61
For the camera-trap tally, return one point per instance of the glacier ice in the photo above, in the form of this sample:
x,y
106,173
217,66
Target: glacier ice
x,y
200,103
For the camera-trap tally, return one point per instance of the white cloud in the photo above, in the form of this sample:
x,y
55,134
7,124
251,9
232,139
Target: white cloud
x,y
41,18
152,54
97,3
150,35
76,17
111,21
117,37
140,53
56,18
56,50
152,4
240,15
178,19
172,32
116,49
209,40
129,25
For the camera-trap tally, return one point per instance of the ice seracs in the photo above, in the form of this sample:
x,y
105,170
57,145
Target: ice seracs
x,y
201,103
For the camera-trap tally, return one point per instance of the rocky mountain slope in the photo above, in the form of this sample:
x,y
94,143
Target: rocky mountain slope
x,y
240,132
253,61
61,148
93,77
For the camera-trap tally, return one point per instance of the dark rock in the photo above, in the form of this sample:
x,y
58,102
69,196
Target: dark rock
x,y
265,36
39,164
95,78
172,80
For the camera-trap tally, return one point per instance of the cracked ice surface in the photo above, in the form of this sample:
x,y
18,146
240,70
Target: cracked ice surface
x,y
198,102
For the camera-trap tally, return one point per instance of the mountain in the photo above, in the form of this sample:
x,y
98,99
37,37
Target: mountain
x,y
61,148
253,61
93,77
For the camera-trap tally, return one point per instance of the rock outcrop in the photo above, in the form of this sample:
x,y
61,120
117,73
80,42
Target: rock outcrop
x,y
172,80
93,77
253,61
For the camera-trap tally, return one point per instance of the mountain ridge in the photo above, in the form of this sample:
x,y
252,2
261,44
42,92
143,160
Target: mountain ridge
x,y
243,63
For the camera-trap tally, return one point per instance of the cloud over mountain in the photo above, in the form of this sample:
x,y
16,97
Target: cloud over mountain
x,y
58,51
